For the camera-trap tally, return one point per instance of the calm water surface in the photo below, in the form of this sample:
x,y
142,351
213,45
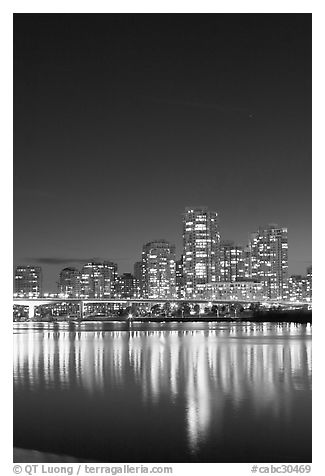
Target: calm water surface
x,y
193,392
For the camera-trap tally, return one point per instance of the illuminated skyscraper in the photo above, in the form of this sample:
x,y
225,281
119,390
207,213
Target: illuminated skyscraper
x,y
300,287
232,265
28,281
138,286
247,262
253,259
110,279
98,280
92,280
201,241
125,286
180,282
309,284
159,270
270,260
69,282
297,285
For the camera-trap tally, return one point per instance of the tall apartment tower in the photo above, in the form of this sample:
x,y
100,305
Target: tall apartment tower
x,y
247,262
297,287
180,282
309,287
125,286
253,251
159,270
201,242
91,280
98,279
69,282
232,262
138,291
269,258
28,281
110,279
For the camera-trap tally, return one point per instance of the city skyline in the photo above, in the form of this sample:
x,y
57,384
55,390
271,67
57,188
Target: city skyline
x,y
220,273
208,267
121,121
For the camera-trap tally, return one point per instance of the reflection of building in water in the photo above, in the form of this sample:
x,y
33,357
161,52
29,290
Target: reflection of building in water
x,y
208,368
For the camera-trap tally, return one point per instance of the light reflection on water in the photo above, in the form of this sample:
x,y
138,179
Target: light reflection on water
x,y
206,381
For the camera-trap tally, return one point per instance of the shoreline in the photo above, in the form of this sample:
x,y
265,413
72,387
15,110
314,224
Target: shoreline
x,y
28,455
299,317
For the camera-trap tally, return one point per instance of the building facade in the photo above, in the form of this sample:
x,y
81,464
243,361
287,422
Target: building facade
x,y
180,281
98,280
28,281
309,284
138,273
297,286
300,287
232,264
247,262
201,245
253,256
237,291
269,260
125,286
69,282
159,270
110,279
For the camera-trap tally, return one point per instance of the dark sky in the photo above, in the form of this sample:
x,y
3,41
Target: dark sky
x,y
123,120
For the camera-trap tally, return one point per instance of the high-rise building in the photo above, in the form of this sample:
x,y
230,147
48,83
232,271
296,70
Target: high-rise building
x,y
269,260
253,256
180,282
28,281
201,241
158,270
98,280
138,285
247,262
125,286
309,284
297,287
300,287
69,282
91,280
232,265
110,279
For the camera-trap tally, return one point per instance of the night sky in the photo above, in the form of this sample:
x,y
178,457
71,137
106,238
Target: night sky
x,y
123,120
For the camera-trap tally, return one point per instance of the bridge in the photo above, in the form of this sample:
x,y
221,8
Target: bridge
x,y
31,303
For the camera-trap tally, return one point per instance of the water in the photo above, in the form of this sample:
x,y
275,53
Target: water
x,y
194,392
